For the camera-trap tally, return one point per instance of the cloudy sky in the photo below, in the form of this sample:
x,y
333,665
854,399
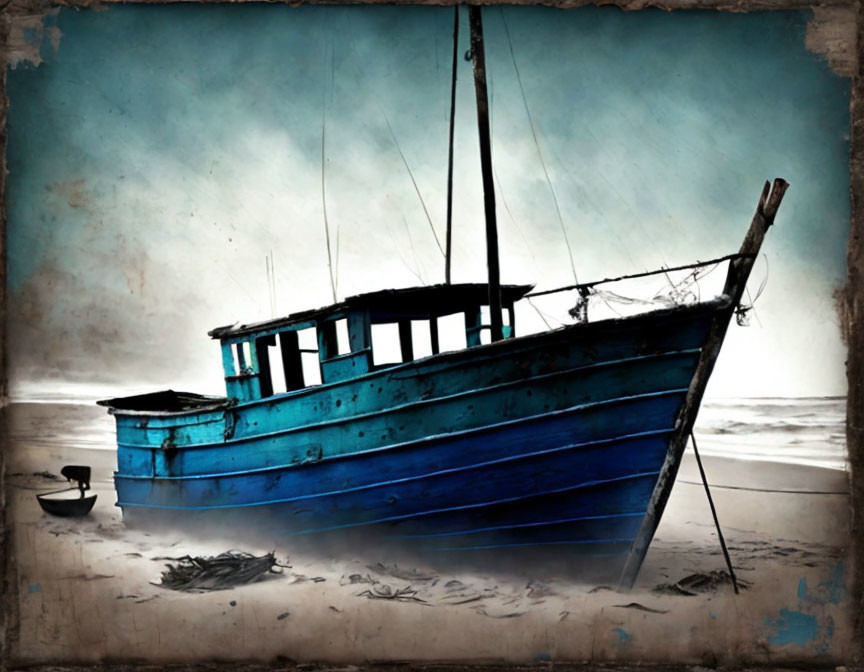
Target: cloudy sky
x,y
159,154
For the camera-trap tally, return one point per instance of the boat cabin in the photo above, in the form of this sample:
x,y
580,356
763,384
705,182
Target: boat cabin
x,y
361,334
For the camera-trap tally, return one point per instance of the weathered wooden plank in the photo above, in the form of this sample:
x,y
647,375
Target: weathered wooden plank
x,y
478,54
422,481
254,446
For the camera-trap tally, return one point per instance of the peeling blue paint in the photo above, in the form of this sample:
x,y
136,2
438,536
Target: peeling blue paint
x,y
34,588
835,585
831,590
793,627
712,615
623,635
32,35
542,657
813,630
824,647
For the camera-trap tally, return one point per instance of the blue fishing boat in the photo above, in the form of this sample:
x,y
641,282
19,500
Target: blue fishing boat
x,y
570,438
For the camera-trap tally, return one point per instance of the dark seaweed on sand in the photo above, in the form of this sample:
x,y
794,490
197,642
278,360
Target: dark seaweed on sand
x,y
220,572
699,583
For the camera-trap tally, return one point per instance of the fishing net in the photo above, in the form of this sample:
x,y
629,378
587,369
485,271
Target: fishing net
x,y
674,290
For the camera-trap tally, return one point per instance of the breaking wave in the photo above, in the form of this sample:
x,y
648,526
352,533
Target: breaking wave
x,y
800,430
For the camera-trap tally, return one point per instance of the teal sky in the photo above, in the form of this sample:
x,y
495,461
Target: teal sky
x,y
162,152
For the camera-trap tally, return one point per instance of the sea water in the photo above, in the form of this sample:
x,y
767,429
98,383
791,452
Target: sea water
x,y
803,430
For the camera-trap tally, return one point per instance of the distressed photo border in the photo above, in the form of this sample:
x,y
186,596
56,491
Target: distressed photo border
x,y
849,299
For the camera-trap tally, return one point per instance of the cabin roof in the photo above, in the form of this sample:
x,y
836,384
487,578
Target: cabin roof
x,y
390,305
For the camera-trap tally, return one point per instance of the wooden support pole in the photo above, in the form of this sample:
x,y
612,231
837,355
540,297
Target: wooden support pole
x,y
262,354
449,244
479,58
292,360
406,345
736,282
433,334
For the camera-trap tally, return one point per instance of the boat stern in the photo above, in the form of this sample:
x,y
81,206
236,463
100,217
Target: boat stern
x,y
152,427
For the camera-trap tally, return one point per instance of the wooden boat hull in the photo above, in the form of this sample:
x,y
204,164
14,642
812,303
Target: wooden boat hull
x,y
447,393
571,437
556,439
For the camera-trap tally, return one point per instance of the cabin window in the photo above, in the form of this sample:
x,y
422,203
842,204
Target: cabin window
x,y
421,336
262,357
486,321
291,371
311,368
244,358
277,372
485,316
271,369
509,323
307,340
342,340
333,338
451,332
386,348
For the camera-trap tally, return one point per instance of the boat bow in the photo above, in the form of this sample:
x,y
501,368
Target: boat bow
x,y
736,282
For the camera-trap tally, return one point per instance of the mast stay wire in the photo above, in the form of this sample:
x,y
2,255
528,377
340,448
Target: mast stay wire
x,y
324,188
539,150
361,76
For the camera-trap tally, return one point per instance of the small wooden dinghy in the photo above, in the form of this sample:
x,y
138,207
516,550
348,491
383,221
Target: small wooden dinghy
x,y
64,502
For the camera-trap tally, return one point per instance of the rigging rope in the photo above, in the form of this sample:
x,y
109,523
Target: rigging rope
x,y
332,87
413,181
681,292
742,313
644,274
324,189
537,144
540,313
714,514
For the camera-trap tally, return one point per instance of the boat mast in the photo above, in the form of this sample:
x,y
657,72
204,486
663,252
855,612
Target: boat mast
x,y
449,244
479,58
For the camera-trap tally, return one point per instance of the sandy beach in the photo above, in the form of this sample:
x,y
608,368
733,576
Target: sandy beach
x,y
86,587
